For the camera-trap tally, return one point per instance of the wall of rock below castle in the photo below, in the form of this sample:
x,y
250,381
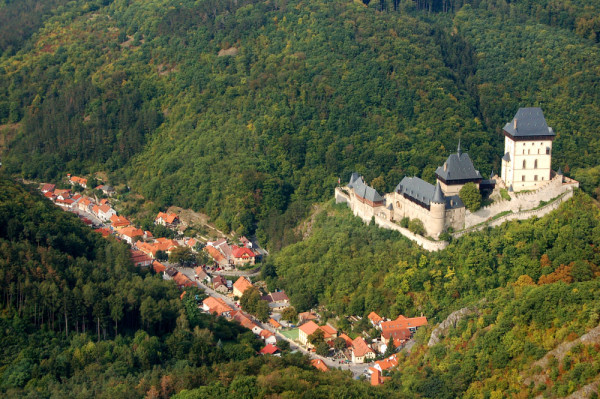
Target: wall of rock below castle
x,y
521,201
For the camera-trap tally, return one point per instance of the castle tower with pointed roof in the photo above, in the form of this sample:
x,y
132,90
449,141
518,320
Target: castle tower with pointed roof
x,y
527,159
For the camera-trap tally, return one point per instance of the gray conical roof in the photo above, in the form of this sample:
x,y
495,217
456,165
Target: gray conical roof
x,y
559,172
438,195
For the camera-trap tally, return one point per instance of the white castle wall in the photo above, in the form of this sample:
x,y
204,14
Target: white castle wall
x,y
521,201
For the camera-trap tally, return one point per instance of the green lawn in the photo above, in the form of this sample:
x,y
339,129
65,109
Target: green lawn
x,y
292,334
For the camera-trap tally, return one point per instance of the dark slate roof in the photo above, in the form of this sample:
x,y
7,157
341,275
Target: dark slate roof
x,y
459,167
416,188
438,195
453,202
363,190
506,157
530,122
425,193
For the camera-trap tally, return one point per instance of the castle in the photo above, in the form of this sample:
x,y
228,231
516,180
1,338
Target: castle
x,y
526,168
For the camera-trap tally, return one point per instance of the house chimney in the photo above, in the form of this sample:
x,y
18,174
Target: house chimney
x,y
515,123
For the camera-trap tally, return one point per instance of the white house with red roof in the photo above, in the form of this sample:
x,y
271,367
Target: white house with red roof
x,y
167,219
361,351
242,256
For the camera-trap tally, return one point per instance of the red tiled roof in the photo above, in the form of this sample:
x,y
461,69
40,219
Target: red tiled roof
x,y
306,316
138,257
104,231
104,208
183,280
242,252
242,284
347,339
270,349
78,180
388,362
319,364
266,334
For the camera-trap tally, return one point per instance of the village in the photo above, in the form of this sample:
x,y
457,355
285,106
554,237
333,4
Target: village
x,y
223,271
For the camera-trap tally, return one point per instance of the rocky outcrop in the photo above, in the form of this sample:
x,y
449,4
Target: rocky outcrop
x,y
451,320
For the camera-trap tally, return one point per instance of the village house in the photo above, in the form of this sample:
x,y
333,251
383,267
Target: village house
x,y
242,256
104,231
131,234
158,267
375,319
140,259
245,242
319,364
268,337
107,190
307,329
277,300
48,188
270,349
304,317
274,323
169,273
104,212
220,285
85,204
217,256
240,286
118,222
78,180
202,276
222,246
216,306
167,219
183,281
246,322
361,351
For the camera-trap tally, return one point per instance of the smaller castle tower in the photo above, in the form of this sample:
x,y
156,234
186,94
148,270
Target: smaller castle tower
x,y
437,208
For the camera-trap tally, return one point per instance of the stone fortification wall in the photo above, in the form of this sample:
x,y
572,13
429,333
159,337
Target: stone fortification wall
x,y
521,201
428,245
366,216
519,215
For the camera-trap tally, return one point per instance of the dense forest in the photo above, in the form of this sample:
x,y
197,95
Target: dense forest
x,y
251,110
78,320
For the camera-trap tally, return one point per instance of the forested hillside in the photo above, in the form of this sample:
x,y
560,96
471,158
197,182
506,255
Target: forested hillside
x,y
78,320
250,110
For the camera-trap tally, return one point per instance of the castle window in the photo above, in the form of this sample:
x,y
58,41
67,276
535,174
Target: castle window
x,y
538,150
535,164
535,177
547,150
523,178
524,164
528,152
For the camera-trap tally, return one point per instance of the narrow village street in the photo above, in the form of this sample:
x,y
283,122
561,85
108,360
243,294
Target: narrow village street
x,y
356,369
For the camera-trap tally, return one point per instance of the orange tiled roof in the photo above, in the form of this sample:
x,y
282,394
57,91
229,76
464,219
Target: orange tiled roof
x,y
131,232
79,180
309,328
183,280
319,364
158,267
347,339
374,317
266,334
388,362
214,253
274,323
242,284
167,217
328,331
242,252
270,349
402,322
360,347
104,231
119,221
216,305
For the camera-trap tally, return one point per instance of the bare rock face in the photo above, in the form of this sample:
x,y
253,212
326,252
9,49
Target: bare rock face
x,y
231,51
450,321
